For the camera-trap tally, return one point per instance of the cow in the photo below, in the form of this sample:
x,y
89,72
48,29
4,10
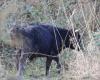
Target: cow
x,y
40,40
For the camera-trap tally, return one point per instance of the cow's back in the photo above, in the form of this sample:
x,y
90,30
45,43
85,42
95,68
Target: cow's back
x,y
43,39
58,35
46,38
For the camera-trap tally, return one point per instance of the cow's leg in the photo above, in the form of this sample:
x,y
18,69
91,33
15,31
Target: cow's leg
x,y
48,64
58,64
21,68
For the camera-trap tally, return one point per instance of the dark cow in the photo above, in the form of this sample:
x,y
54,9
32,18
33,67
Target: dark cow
x,y
38,40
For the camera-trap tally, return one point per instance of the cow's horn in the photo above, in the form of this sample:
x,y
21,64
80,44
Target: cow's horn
x,y
76,30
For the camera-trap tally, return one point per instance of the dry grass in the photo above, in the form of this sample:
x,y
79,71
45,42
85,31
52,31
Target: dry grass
x,y
82,65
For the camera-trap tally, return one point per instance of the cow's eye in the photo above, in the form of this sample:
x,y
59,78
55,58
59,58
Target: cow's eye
x,y
17,28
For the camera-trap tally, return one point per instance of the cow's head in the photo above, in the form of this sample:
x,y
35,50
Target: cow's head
x,y
16,36
74,40
20,39
14,32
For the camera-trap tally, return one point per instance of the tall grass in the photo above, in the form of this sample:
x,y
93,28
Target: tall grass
x,y
80,15
86,65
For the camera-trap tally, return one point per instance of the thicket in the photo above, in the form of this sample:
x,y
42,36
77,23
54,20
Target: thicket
x,y
82,15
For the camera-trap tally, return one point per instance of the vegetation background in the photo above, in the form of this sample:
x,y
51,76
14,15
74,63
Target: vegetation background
x,y
83,15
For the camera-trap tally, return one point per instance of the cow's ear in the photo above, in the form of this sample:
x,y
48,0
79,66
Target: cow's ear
x,y
76,30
